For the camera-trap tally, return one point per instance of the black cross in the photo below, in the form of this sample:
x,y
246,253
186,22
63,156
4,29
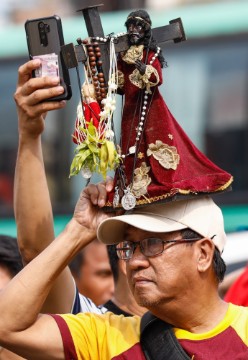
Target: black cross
x,y
73,55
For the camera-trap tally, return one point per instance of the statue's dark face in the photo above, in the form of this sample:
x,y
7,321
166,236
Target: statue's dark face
x,y
136,32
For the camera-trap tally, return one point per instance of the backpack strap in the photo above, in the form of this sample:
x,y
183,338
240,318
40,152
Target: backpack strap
x,y
158,340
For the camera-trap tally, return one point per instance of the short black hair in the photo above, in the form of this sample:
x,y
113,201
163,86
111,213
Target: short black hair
x,y
10,257
113,260
76,263
218,263
219,266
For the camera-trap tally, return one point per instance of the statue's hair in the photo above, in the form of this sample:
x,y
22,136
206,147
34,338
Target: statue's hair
x,y
142,18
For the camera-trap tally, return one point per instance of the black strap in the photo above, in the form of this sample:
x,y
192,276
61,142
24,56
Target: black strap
x,y
158,340
115,309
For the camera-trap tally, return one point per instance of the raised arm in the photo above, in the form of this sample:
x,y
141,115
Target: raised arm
x,y
22,329
33,211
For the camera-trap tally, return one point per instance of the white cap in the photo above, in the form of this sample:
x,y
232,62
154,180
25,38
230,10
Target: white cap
x,y
201,215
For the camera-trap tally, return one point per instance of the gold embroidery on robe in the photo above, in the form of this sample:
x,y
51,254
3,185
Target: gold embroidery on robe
x,y
133,53
142,81
166,155
121,80
141,180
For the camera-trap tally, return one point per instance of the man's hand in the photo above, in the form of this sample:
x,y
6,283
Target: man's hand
x,y
88,212
30,97
140,66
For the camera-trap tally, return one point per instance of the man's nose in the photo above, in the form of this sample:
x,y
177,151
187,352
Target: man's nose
x,y
138,259
132,27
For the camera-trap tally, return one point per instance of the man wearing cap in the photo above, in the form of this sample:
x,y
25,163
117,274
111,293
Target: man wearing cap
x,y
173,258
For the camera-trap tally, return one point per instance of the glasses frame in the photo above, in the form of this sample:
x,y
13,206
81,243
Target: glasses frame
x,y
134,245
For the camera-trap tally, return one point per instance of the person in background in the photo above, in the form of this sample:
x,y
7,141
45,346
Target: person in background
x,y
92,273
10,265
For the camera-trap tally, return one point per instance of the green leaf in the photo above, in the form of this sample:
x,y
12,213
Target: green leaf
x,y
93,148
79,161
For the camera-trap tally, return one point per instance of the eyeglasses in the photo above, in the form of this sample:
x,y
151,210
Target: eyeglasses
x,y
149,247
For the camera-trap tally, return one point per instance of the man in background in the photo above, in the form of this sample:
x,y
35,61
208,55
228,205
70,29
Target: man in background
x,y
92,273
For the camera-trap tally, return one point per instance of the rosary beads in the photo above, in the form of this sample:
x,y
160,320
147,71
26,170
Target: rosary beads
x,y
95,64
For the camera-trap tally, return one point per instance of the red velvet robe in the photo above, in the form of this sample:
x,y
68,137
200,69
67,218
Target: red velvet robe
x,y
191,171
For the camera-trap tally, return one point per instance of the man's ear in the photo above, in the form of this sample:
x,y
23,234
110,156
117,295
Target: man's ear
x,y
205,254
122,267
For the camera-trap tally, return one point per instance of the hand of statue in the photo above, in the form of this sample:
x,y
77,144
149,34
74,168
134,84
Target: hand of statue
x,y
140,66
88,212
30,97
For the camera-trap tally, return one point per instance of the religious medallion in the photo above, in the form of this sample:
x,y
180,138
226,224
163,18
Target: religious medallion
x,y
128,200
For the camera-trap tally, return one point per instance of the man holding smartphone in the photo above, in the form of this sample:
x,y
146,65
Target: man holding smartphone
x,y
32,205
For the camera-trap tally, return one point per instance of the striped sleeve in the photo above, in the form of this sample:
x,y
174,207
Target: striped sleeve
x,y
84,304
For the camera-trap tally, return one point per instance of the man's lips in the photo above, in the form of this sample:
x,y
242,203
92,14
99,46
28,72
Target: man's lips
x,y
140,280
137,35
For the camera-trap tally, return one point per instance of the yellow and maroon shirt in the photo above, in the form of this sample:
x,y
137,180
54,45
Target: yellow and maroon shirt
x,y
115,337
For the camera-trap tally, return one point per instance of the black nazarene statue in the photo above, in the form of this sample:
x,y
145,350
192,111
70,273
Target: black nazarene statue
x,y
158,160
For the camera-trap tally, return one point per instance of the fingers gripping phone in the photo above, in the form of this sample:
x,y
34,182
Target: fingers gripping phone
x,y
44,40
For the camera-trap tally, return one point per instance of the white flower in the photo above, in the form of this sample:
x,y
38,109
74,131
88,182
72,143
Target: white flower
x,y
107,106
112,86
103,114
109,134
103,101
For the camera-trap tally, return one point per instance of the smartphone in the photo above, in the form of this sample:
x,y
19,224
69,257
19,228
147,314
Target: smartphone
x,y
44,40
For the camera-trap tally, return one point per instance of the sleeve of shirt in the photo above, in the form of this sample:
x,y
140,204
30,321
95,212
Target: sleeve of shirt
x,y
84,304
98,337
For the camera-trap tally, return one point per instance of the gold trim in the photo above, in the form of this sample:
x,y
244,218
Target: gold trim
x,y
175,192
223,187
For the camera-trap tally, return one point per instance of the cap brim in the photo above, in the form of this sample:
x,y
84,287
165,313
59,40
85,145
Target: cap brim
x,y
112,230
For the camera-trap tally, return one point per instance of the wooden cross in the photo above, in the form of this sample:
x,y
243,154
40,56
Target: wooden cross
x,y
73,55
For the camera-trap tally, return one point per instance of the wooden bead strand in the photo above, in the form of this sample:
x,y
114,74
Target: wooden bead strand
x,y
94,67
101,81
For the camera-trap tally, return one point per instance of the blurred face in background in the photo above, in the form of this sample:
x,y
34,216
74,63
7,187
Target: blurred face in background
x,y
94,279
